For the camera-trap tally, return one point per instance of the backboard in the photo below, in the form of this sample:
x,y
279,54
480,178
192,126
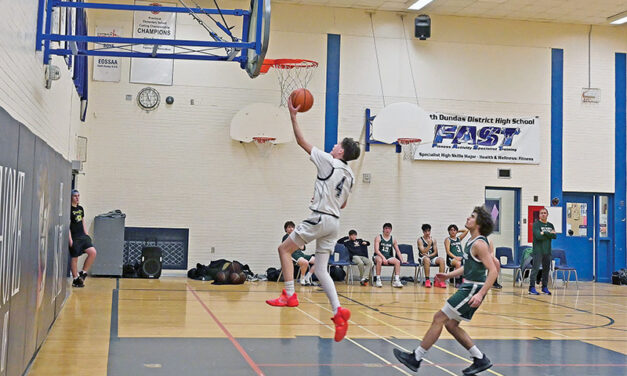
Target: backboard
x,y
262,119
402,120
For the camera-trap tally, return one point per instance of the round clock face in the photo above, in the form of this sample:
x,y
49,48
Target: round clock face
x,y
148,99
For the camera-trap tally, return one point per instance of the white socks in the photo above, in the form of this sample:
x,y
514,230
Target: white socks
x,y
322,260
289,288
419,353
475,353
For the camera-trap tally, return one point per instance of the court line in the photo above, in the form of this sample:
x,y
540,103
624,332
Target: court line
x,y
365,365
357,344
239,348
434,345
386,340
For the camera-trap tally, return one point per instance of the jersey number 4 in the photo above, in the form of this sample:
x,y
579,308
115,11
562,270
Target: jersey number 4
x,y
340,186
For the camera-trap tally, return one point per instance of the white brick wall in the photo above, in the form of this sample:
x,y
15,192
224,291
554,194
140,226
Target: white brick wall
x,y
48,113
177,166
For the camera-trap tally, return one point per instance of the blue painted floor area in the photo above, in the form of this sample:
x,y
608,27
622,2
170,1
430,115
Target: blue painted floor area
x,y
304,356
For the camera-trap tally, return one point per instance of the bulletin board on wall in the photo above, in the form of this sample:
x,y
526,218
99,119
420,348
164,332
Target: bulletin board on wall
x,y
577,219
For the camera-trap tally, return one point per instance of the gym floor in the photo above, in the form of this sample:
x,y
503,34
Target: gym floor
x,y
177,326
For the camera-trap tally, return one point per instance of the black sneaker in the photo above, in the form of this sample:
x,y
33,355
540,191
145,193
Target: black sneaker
x,y
78,282
408,359
82,275
497,285
478,365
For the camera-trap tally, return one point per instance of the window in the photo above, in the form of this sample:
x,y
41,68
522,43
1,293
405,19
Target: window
x,y
576,219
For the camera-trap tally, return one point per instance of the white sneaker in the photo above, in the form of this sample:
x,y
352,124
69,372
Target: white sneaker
x,y
397,283
304,282
377,282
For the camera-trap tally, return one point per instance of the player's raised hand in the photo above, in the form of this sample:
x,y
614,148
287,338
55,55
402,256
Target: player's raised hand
x,y
290,106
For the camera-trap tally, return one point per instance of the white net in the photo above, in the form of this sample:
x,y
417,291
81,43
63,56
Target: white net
x,y
408,146
264,145
293,74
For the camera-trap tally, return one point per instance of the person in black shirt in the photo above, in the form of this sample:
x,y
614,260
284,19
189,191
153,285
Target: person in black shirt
x,y
80,242
358,250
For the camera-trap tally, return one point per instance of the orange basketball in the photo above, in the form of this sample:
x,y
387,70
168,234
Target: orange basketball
x,y
302,98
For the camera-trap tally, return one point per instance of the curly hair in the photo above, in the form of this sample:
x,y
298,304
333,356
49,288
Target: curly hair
x,y
484,220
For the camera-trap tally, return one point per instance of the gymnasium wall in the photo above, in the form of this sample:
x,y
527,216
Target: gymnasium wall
x,y
178,167
48,113
34,220
37,140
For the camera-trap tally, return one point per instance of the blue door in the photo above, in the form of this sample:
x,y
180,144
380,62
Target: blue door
x,y
577,237
604,238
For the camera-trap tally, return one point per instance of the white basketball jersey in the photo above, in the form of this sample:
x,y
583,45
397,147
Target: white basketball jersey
x,y
333,183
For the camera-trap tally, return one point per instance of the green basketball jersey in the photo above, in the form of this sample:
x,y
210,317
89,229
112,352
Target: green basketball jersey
x,y
474,270
386,246
456,247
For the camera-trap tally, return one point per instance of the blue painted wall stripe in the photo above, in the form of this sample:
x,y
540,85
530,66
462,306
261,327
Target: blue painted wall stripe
x,y
557,116
620,189
333,91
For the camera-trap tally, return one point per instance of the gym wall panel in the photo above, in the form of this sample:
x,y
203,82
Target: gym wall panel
x,y
177,166
21,323
9,140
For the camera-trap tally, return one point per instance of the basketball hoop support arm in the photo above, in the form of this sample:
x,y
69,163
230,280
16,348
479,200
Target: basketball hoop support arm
x,y
45,35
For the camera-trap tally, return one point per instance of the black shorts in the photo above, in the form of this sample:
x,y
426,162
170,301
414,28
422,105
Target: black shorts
x,y
79,245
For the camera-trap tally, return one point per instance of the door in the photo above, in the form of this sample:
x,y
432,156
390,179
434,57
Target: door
x,y
604,233
504,205
577,238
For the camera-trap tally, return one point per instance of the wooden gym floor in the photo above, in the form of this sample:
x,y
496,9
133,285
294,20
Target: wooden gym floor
x,y
176,326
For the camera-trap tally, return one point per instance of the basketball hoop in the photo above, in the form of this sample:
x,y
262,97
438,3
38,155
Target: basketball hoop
x,y
409,146
293,74
264,145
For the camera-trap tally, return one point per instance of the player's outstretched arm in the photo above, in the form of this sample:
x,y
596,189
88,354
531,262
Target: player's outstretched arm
x,y
300,139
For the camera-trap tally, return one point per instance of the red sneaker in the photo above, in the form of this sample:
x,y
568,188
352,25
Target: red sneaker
x,y
428,284
284,300
441,284
341,323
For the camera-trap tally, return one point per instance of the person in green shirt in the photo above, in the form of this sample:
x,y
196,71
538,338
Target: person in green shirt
x,y
543,233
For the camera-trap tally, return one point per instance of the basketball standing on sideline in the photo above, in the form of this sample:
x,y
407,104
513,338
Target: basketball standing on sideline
x,y
334,182
463,304
80,242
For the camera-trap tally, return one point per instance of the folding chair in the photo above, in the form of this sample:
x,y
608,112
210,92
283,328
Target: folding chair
x,y
407,249
510,264
344,260
562,266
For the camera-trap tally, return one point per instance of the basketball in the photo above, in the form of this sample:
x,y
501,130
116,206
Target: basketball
x,y
221,277
302,98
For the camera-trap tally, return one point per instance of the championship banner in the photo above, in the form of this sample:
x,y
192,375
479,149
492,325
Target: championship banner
x,y
107,68
471,138
155,25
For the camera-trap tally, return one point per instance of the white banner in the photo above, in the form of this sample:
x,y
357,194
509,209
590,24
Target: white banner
x,y
155,25
107,68
470,138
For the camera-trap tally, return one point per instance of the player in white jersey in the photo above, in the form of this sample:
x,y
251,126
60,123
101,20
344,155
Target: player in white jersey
x,y
334,182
